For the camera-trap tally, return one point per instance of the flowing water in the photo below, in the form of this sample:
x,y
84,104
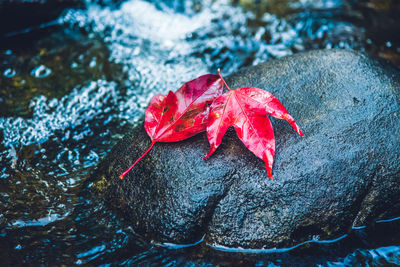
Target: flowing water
x,y
70,90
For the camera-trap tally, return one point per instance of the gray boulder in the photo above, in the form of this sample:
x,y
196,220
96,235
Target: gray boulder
x,y
343,173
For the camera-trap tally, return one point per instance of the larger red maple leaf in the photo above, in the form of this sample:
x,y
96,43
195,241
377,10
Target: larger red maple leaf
x,y
182,114
246,110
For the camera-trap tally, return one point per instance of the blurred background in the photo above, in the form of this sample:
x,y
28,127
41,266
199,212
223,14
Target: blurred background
x,y
76,75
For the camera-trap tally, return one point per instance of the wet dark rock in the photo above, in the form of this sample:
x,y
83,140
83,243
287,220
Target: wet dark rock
x,y
16,15
343,173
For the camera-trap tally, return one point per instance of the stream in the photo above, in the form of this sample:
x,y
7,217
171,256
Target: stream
x,y
70,89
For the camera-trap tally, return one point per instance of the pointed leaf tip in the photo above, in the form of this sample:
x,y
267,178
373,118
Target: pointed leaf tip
x,y
207,156
270,175
293,123
209,153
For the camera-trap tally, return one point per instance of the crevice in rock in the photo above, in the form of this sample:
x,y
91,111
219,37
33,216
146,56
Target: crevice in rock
x,y
363,199
214,201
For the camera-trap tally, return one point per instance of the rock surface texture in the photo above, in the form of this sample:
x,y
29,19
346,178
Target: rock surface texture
x,y
344,172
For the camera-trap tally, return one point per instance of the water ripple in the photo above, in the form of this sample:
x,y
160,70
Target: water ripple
x,y
41,72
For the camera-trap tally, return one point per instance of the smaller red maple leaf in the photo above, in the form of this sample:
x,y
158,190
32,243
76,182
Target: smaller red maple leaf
x,y
246,110
182,114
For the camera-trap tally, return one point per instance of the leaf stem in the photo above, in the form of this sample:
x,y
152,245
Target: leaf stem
x,y
144,154
219,73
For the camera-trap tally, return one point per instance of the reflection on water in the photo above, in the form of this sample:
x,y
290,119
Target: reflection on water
x,y
384,256
68,97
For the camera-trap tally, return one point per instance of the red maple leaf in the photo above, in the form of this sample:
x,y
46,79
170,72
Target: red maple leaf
x,y
180,115
246,110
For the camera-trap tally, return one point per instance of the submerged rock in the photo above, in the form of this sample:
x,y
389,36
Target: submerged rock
x,y
343,173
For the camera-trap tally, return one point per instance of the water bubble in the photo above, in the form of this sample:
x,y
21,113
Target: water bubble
x,y
70,181
93,62
53,103
3,174
41,72
93,156
9,73
136,51
316,237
